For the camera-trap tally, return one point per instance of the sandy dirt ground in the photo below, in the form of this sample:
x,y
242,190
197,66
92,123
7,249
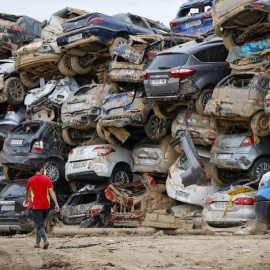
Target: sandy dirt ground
x,y
137,252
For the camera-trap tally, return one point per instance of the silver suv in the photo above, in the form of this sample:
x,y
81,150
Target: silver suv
x,y
186,72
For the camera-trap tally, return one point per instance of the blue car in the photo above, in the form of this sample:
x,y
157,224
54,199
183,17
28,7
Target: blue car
x,y
262,200
193,17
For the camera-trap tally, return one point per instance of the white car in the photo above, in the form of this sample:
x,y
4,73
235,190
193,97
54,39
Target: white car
x,y
99,161
193,194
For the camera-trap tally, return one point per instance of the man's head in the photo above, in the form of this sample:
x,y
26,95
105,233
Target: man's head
x,y
40,168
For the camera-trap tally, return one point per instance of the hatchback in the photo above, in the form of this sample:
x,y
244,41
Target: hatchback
x,y
185,74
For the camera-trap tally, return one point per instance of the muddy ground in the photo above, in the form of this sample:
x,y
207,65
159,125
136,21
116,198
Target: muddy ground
x,y
156,251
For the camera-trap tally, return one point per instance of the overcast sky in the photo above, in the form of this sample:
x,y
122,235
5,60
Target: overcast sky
x,y
160,10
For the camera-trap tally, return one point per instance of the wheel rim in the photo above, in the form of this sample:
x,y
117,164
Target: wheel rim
x,y
262,168
16,89
158,125
263,123
67,62
31,77
206,98
52,172
121,177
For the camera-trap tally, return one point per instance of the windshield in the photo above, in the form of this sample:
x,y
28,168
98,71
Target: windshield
x,y
86,90
15,189
168,61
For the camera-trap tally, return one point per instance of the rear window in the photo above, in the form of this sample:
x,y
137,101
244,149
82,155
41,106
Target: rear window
x,y
238,81
16,189
83,199
168,61
86,90
194,10
26,129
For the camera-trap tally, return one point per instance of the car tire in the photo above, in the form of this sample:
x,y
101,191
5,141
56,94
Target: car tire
x,y
259,124
228,39
14,91
65,67
259,167
10,173
155,128
216,127
78,65
67,138
121,174
220,177
115,87
116,42
161,112
100,131
202,100
53,171
51,221
29,80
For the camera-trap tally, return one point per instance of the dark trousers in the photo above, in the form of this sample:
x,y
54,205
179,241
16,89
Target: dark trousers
x,y
39,217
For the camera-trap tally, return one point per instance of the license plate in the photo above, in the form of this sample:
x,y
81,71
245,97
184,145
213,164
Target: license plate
x,y
8,207
126,71
147,161
193,23
16,142
75,37
221,204
223,156
182,194
161,81
79,164
116,111
76,105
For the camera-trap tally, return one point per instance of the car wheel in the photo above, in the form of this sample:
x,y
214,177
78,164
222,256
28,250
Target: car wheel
x,y
162,111
202,100
121,174
155,128
81,65
14,91
116,42
29,80
53,171
223,177
65,67
216,127
10,173
115,87
260,167
67,137
100,131
259,124
51,221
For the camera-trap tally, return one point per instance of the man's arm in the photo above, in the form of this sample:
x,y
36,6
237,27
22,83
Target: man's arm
x,y
26,197
54,199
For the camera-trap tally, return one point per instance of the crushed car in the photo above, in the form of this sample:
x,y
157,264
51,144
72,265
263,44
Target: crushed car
x,y
133,57
185,74
238,100
193,17
80,111
31,142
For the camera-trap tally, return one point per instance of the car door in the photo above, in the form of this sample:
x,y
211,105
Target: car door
x,y
137,25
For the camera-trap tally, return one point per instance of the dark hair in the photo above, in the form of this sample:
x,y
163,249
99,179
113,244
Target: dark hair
x,y
39,166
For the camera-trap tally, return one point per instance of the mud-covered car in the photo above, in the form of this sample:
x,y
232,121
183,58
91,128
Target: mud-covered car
x,y
32,142
193,17
240,22
80,111
90,39
98,161
16,31
232,155
45,103
133,57
127,114
198,126
153,156
238,100
185,73
87,207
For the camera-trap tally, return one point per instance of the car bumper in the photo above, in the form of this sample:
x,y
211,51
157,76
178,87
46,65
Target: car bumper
x,y
115,122
89,176
118,75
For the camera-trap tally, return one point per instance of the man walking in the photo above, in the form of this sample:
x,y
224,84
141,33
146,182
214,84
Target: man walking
x,y
41,186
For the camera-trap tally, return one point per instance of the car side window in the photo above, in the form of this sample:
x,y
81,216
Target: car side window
x,y
202,55
137,21
37,28
218,53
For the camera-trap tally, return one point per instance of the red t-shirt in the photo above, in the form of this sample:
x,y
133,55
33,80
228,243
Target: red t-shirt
x,y
39,185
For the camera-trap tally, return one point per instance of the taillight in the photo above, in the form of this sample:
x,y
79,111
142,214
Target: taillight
x,y
211,139
14,27
256,5
244,201
95,20
103,150
201,163
182,72
169,173
208,200
7,44
37,145
95,209
206,16
71,152
113,55
10,109
151,55
145,74
247,141
174,23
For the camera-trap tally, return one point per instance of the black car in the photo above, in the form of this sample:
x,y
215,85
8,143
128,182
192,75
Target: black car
x,y
16,31
32,142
